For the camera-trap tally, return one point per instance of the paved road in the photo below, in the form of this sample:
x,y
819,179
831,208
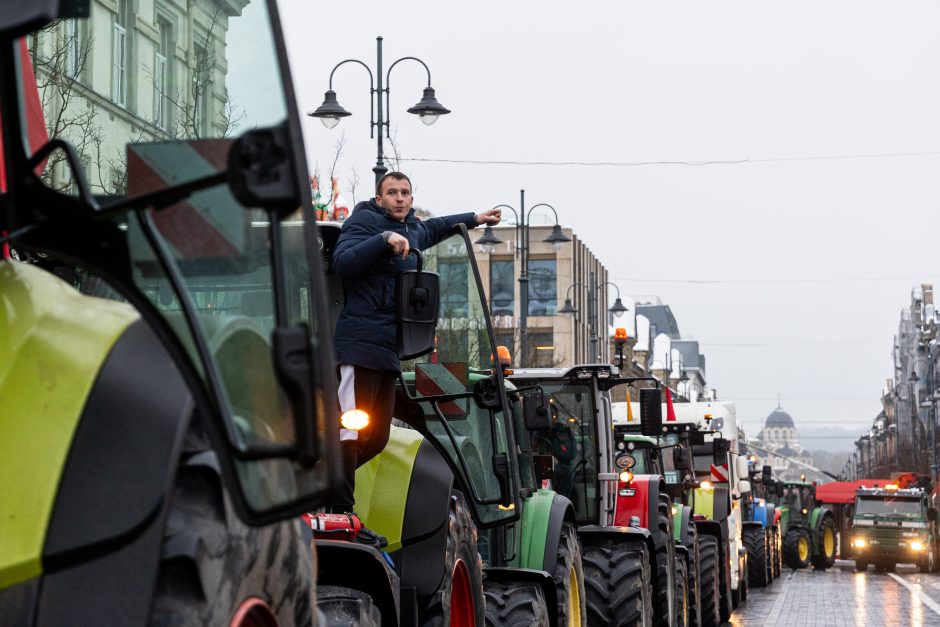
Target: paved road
x,y
840,596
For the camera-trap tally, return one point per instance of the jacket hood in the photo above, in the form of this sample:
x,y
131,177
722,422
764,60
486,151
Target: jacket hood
x,y
371,205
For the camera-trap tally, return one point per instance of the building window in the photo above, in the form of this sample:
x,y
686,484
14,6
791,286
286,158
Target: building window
x,y
201,91
502,293
542,287
119,55
161,76
455,302
541,350
73,48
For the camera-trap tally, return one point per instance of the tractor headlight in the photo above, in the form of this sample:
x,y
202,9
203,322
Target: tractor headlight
x,y
917,545
858,543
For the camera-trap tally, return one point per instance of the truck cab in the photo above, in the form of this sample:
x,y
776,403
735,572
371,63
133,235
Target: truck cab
x,y
893,525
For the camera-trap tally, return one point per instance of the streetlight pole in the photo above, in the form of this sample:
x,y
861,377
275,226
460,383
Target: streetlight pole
x,y
428,108
617,309
489,241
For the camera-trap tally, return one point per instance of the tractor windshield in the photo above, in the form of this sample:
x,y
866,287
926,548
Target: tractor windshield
x,y
888,507
154,101
572,442
476,435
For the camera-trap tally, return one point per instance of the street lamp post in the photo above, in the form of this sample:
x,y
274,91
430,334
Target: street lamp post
x,y
617,309
488,243
331,112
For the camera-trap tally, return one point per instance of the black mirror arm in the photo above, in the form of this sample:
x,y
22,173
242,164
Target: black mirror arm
x,y
293,355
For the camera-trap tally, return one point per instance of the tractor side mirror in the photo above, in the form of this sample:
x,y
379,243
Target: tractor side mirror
x,y
651,412
535,412
682,458
767,474
741,463
778,489
931,514
744,486
417,305
720,448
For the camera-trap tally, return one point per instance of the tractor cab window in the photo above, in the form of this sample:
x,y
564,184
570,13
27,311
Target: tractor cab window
x,y
475,436
571,441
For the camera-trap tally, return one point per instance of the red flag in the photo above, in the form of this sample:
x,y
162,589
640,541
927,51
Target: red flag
x,y
670,410
35,120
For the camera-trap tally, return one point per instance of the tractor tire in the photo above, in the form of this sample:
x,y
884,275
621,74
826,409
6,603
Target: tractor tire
x,y
861,565
662,601
341,607
619,587
709,580
797,548
826,545
463,567
515,604
216,570
755,543
778,551
769,540
695,583
682,591
743,584
569,578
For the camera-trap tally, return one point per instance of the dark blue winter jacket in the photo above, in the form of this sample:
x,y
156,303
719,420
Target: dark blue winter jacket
x,y
366,329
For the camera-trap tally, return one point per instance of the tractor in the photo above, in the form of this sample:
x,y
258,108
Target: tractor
x,y
661,453
164,436
761,530
629,557
809,529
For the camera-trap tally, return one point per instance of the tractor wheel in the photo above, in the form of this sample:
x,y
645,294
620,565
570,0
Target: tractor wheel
x,y
796,548
458,601
755,542
663,567
826,546
683,593
709,580
346,606
509,603
861,565
216,570
569,579
618,584
768,543
695,583
743,584
778,544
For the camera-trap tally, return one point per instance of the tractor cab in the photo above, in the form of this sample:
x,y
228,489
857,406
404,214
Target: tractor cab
x,y
194,218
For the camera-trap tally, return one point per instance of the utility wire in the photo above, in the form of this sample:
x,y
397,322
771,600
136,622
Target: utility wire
x,y
766,344
766,281
633,164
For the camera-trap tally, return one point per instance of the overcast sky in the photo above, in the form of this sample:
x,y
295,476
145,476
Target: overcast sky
x,y
782,86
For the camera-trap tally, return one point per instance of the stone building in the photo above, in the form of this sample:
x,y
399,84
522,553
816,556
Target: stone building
x,y
142,71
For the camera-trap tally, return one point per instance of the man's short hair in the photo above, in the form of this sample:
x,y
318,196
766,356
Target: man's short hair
x,y
398,176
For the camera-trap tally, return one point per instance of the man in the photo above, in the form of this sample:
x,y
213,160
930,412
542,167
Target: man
x,y
373,247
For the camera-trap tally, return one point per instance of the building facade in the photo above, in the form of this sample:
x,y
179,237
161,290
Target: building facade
x,y
134,71
555,273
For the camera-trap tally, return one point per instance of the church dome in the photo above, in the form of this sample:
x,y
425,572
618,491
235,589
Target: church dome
x,y
780,419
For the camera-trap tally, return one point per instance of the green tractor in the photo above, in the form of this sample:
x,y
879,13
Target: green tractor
x,y
630,557
808,529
